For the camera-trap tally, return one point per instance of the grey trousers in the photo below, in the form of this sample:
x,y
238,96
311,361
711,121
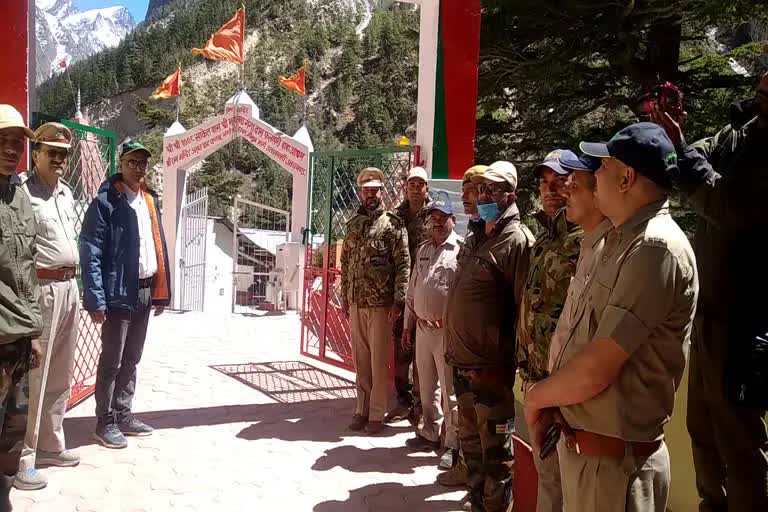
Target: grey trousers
x,y
122,343
49,385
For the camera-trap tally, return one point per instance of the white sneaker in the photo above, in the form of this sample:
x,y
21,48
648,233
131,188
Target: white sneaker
x,y
63,459
30,480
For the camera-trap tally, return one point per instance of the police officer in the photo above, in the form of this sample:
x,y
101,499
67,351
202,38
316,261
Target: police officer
x,y
375,268
617,370
57,261
553,263
414,212
431,278
725,178
480,322
20,319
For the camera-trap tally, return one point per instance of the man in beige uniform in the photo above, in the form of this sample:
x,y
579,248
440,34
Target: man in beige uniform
x,y
616,373
57,260
433,273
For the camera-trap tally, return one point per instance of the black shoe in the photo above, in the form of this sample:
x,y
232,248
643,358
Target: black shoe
x,y
110,436
132,426
422,444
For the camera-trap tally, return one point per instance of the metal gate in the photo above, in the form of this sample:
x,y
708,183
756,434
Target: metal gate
x,y
333,201
91,161
258,230
194,219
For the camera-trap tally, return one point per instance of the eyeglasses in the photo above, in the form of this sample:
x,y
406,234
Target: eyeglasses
x,y
495,189
61,154
137,164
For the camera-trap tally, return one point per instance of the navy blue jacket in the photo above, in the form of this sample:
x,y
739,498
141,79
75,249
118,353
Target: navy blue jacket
x,y
109,252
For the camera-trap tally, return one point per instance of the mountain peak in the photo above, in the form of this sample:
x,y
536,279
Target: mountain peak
x,y
66,34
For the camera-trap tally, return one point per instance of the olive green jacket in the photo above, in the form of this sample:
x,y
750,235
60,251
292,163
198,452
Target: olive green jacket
x,y
19,289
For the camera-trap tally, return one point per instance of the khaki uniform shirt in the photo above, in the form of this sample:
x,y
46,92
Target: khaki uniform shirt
x,y
432,276
591,244
642,295
55,216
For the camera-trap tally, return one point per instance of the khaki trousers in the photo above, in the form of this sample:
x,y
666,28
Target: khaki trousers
x,y
607,484
549,494
371,349
438,400
49,385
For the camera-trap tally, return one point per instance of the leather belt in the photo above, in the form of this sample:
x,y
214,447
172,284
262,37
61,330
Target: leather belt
x,y
598,445
57,274
432,324
146,282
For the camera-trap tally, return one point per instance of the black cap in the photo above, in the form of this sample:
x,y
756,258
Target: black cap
x,y
643,146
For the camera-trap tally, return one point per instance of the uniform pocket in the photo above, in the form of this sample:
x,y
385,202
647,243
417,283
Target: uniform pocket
x,y
45,227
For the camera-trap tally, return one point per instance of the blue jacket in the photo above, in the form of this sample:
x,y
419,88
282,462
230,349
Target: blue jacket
x,y
109,251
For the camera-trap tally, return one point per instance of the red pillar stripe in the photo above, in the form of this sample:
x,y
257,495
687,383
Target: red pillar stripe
x,y
460,42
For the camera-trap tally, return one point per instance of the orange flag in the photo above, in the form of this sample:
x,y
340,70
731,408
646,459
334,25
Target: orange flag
x,y
228,43
170,86
294,83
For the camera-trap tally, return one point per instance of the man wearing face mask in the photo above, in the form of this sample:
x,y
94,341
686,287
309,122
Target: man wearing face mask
x,y
57,262
125,274
469,193
480,321
375,268
414,212
553,263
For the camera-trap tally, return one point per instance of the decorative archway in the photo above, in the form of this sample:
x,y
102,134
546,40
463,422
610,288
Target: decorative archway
x,y
241,118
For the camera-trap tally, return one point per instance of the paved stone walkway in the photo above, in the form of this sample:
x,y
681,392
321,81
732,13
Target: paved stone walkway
x,y
243,423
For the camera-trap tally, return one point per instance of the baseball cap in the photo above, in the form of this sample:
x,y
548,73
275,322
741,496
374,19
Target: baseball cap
x,y
499,172
473,171
417,172
54,134
11,118
643,146
441,205
552,161
129,146
579,163
370,177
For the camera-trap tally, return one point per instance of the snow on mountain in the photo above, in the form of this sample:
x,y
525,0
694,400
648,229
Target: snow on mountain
x,y
66,34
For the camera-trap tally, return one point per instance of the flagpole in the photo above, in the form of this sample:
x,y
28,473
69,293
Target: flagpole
x,y
178,96
304,115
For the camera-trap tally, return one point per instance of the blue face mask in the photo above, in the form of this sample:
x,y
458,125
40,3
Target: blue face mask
x,y
488,211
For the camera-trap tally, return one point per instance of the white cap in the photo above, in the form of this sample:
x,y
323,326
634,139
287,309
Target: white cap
x,y
11,118
417,172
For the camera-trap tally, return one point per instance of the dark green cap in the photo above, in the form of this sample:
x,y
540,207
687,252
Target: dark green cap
x,y
129,146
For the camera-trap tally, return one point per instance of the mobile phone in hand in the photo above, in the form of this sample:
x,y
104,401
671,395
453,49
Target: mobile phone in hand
x,y
551,436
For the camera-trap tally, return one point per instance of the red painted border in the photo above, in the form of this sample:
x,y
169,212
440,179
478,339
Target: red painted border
x,y
14,54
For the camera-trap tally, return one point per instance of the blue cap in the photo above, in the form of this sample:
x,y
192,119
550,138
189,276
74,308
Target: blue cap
x,y
552,161
443,206
580,163
643,146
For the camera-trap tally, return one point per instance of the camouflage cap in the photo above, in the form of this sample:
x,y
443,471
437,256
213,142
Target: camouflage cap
x,y
370,177
473,171
54,134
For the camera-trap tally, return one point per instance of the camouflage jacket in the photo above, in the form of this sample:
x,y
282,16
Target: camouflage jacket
x,y
375,264
553,264
19,289
417,226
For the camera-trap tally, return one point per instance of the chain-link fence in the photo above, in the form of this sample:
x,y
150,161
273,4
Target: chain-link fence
x,y
334,201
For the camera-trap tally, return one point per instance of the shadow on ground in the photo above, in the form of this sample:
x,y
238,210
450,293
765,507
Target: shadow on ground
x,y
312,405
374,460
392,497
